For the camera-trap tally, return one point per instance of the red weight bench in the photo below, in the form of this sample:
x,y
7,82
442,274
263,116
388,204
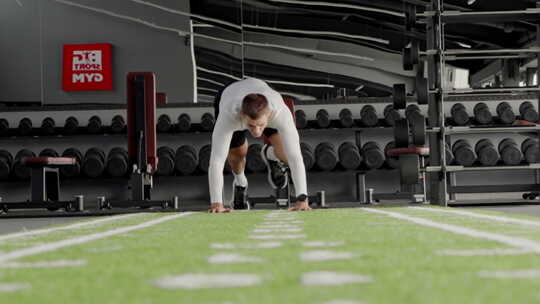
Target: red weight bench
x,y
45,185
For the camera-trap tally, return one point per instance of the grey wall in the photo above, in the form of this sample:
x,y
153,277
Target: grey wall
x,y
136,47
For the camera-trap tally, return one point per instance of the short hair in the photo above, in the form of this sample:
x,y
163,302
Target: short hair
x,y
254,105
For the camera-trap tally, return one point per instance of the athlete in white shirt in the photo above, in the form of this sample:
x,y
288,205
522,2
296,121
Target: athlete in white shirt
x,y
251,105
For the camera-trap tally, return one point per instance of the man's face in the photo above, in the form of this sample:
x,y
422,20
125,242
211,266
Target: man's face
x,y
257,126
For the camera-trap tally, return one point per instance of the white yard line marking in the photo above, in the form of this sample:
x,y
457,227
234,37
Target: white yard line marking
x,y
200,281
68,227
276,236
483,252
44,264
47,247
282,223
343,302
12,287
273,230
322,244
507,240
233,258
510,274
483,216
263,245
325,255
327,278
106,248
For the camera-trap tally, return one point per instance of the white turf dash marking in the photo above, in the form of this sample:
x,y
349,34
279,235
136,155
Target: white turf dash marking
x,y
507,240
69,227
106,248
323,244
44,264
273,230
263,245
277,236
199,281
343,302
12,287
327,278
325,255
232,258
510,274
47,247
483,216
483,252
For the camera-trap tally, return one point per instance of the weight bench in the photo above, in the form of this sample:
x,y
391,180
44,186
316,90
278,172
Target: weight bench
x,y
411,160
45,186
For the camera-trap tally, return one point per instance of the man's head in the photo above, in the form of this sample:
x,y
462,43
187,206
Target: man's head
x,y
256,112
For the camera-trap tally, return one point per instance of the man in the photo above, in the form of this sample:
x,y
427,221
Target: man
x,y
251,105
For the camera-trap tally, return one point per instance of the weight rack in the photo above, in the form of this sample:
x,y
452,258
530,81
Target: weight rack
x,y
441,176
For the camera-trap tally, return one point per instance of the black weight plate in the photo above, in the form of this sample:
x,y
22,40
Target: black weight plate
x,y
409,169
418,123
399,96
401,133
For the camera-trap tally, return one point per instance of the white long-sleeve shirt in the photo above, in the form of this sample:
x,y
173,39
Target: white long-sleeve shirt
x,y
230,120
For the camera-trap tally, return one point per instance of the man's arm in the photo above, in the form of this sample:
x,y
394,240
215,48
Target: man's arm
x,y
221,139
284,122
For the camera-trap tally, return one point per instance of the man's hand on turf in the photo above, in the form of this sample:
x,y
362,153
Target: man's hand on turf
x,y
300,206
218,208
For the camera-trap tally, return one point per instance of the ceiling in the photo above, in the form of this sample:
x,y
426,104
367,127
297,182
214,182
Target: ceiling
x,y
325,42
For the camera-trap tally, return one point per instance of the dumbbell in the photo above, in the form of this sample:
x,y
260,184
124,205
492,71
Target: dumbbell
x,y
71,125
527,112
373,155
487,153
368,116
346,119
19,169
399,96
204,157
6,163
392,161
94,125
460,117
118,124
207,122
463,153
25,127
300,119
411,110
75,170
325,156
391,115
254,161
530,150
505,112
47,126
323,118
4,127
48,152
164,123
307,155
482,115
183,123
186,159
117,162
166,164
94,162
349,155
510,153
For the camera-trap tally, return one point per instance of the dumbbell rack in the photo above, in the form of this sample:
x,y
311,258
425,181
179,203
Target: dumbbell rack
x,y
441,176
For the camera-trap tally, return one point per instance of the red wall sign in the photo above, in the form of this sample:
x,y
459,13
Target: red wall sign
x,y
87,67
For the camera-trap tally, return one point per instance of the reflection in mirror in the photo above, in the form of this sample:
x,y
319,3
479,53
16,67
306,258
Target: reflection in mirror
x,y
217,43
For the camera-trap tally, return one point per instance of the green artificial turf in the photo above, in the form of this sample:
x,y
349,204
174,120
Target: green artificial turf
x,y
398,255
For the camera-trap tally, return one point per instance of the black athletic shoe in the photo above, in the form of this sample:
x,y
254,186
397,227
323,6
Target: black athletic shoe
x,y
277,170
240,199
